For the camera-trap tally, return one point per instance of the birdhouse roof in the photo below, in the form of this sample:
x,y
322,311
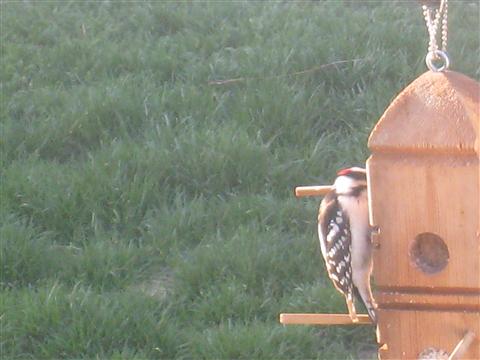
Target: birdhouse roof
x,y
436,113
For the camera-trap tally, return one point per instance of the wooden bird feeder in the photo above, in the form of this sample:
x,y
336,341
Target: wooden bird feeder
x,y
423,179
424,198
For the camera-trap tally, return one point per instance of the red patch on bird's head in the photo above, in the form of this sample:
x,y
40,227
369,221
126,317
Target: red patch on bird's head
x,y
344,172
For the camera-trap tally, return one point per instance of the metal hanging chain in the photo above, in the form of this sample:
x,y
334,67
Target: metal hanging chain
x,y
433,17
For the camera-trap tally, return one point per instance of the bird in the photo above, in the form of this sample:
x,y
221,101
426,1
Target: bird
x,y
345,239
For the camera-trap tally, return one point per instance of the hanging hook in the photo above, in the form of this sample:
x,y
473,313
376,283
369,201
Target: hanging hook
x,y
437,55
433,19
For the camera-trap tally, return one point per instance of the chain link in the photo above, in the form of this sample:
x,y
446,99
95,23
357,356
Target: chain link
x,y
433,17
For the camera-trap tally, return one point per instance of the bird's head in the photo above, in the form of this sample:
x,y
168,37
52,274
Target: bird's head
x,y
349,179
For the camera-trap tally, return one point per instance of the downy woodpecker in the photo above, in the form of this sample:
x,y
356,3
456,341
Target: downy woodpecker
x,y
344,233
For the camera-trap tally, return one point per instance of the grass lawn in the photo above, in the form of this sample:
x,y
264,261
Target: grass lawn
x,y
147,213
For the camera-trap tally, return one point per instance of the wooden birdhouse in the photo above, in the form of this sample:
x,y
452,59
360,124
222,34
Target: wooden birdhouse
x,y
424,181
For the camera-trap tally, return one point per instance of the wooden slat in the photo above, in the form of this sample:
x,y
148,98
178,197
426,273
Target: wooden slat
x,y
427,301
322,319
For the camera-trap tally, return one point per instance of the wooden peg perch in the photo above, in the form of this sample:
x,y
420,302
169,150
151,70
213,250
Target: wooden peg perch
x,y
462,346
302,191
322,319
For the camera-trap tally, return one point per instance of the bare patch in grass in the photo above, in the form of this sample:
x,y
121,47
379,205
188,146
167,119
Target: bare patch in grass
x,y
159,286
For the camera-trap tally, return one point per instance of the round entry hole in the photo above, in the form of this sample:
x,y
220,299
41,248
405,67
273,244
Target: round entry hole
x,y
429,253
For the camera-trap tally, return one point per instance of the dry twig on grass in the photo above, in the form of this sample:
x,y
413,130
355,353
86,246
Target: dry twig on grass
x,y
302,72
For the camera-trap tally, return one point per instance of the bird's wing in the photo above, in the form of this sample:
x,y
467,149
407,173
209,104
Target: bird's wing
x,y
335,241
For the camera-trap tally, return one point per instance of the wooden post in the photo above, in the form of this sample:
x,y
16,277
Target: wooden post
x,y
424,197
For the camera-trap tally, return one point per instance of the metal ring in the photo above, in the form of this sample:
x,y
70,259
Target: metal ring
x,y
437,55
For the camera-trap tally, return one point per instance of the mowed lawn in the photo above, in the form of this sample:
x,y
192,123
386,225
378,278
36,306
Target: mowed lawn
x,y
148,213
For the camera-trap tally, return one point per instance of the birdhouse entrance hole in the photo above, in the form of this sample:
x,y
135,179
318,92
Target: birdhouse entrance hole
x,y
429,253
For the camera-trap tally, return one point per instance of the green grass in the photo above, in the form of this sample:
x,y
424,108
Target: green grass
x,y
147,214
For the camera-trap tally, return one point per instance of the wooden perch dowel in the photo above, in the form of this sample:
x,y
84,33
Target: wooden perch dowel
x,y
462,346
301,191
322,319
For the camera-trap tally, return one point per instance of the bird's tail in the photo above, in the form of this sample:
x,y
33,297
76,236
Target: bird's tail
x,y
369,304
372,313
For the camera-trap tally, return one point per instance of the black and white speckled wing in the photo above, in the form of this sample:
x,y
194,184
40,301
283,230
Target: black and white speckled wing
x,y
335,242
